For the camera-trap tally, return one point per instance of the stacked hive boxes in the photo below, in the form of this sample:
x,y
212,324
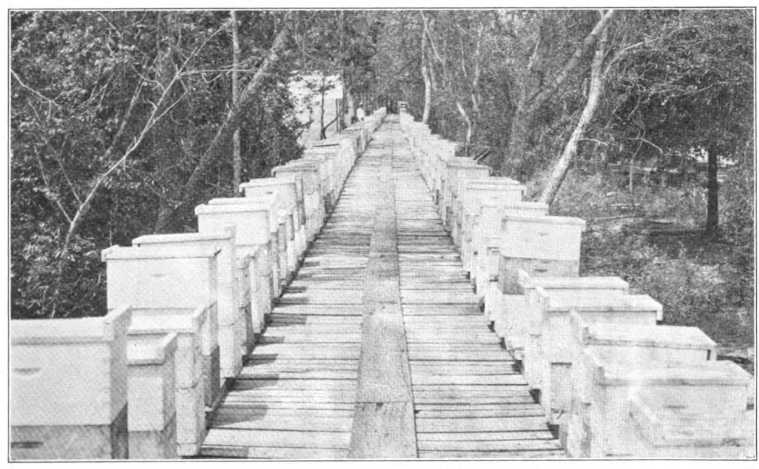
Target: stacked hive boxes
x,y
183,311
612,381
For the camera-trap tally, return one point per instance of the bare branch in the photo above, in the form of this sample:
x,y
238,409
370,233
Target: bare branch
x,y
32,90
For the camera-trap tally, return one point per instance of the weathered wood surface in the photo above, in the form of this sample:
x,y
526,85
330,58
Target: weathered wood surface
x,y
377,348
296,395
469,401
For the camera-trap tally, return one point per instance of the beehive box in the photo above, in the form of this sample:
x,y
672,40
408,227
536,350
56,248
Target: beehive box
x,y
285,254
68,388
541,246
473,193
636,344
280,220
554,337
487,238
327,182
312,205
255,225
457,170
718,387
664,425
161,277
170,278
285,190
151,397
190,327
260,304
230,297
525,317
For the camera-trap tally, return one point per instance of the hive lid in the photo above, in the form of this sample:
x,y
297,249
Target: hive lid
x,y
267,182
148,350
622,372
573,283
157,252
506,205
682,337
665,419
493,181
544,219
69,330
464,162
603,303
226,234
235,205
167,320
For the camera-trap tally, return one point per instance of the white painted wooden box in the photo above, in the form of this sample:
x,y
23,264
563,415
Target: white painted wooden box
x,y
524,318
190,326
474,192
665,425
636,344
174,277
151,396
721,387
255,225
458,169
231,294
487,239
312,205
68,387
280,219
541,246
286,190
554,343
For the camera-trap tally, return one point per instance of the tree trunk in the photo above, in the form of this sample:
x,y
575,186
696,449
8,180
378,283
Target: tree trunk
x,y
520,133
192,189
427,84
351,107
236,157
712,194
527,107
322,90
597,79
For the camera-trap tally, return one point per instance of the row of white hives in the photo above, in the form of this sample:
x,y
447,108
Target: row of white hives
x,y
183,312
611,381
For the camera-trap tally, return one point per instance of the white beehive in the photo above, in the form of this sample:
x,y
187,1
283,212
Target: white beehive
x,y
717,387
457,170
519,312
635,344
487,240
284,189
541,246
68,387
255,225
551,336
161,277
231,293
190,326
665,425
151,396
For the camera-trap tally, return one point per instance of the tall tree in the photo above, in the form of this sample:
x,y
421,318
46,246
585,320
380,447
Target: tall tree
x,y
236,155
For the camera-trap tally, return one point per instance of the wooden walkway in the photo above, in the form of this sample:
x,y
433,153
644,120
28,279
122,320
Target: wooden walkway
x,y
377,348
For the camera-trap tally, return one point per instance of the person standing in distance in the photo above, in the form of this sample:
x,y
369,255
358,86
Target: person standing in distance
x,y
360,114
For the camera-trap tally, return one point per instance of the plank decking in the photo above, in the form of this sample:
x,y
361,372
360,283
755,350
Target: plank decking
x,y
377,348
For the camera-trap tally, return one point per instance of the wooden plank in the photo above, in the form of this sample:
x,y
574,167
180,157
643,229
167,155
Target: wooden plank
x,y
437,425
551,454
296,439
480,445
303,422
486,436
383,430
383,425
